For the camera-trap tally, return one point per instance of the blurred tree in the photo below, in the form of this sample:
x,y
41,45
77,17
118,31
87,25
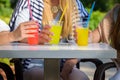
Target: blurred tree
x,y
13,3
8,3
4,3
95,19
5,10
102,5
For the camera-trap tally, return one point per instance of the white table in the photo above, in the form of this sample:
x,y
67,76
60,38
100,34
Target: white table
x,y
52,54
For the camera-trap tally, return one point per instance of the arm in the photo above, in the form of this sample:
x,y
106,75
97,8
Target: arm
x,y
67,68
6,37
20,33
95,36
22,16
43,35
102,33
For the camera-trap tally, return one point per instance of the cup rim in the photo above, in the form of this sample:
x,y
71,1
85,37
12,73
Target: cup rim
x,y
82,24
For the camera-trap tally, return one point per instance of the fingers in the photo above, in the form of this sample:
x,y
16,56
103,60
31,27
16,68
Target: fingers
x,y
60,37
28,35
90,37
30,27
47,32
46,27
24,29
30,31
29,23
44,38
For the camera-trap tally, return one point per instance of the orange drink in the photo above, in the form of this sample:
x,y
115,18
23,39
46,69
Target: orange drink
x,y
82,33
82,36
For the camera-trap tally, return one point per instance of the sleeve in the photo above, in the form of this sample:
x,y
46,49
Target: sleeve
x,y
21,4
82,11
23,16
4,26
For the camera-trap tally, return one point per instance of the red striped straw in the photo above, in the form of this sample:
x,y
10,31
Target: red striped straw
x,y
29,7
31,16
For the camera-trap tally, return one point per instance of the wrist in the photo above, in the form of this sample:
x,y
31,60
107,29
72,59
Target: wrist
x,y
11,36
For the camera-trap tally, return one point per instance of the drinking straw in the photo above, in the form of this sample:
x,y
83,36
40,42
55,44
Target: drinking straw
x,y
63,12
93,5
31,16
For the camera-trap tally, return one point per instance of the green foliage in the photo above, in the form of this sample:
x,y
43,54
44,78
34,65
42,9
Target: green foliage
x,y
102,5
6,19
5,10
5,14
13,3
5,60
4,3
95,19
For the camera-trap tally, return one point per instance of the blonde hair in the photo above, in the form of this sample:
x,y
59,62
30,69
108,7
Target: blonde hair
x,y
67,19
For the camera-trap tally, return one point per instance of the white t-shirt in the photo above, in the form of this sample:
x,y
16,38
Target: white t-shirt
x,y
4,26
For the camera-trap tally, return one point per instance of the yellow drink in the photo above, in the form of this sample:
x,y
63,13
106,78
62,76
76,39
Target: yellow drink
x,y
82,36
56,29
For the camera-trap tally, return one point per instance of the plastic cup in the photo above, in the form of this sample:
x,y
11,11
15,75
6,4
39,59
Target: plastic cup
x,y
82,34
33,40
56,30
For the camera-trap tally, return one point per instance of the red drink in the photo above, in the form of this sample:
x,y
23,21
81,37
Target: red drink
x,y
33,40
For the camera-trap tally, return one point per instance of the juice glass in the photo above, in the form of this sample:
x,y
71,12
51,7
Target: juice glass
x,y
82,34
33,40
56,30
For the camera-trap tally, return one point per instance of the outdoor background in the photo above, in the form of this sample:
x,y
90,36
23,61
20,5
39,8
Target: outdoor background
x,y
101,8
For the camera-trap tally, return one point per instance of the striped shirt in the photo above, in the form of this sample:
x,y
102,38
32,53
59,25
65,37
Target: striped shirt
x,y
82,11
37,9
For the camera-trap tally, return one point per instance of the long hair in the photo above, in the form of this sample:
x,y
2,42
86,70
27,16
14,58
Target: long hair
x,y
115,33
67,19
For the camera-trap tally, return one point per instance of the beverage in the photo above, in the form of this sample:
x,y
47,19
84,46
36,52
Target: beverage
x,y
82,36
33,40
56,29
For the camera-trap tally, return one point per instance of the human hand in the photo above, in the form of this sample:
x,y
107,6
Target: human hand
x,y
44,35
23,30
90,36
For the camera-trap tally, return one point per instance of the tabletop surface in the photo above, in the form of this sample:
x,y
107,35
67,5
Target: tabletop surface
x,y
93,50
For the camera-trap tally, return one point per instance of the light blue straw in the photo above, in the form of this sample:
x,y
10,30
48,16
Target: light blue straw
x,y
90,13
